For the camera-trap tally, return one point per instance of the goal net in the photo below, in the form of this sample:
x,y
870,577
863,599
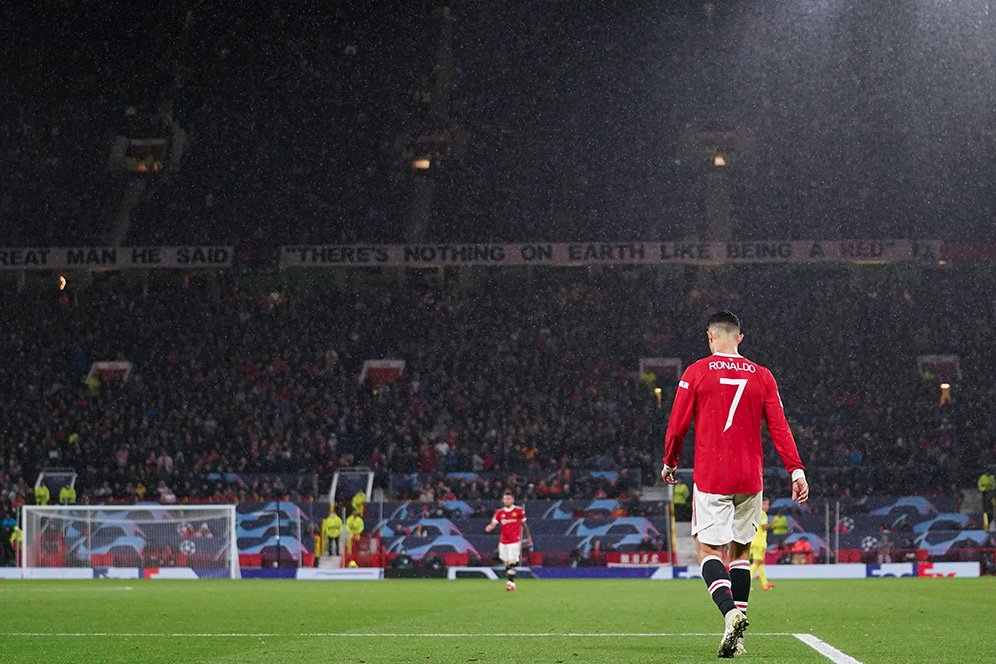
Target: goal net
x,y
197,539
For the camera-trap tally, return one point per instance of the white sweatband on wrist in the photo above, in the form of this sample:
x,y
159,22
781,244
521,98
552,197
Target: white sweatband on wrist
x,y
798,474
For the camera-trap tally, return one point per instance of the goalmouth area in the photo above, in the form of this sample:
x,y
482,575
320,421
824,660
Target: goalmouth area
x,y
871,620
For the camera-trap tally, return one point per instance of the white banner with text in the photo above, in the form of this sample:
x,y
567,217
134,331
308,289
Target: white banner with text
x,y
568,254
114,258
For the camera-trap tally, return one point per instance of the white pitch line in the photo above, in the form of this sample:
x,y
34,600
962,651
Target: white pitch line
x,y
400,635
826,649
64,590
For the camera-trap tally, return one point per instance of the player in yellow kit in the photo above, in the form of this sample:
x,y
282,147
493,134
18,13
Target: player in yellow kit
x,y
758,547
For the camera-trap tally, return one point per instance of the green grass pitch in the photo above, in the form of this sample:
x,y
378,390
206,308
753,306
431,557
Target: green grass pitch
x,y
873,620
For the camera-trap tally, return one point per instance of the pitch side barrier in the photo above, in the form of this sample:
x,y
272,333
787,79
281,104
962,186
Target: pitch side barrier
x,y
850,571
658,573
671,572
301,574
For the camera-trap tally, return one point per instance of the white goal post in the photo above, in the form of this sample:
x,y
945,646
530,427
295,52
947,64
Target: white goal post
x,y
200,540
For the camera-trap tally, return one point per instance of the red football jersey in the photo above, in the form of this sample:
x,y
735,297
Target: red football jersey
x,y
510,521
727,396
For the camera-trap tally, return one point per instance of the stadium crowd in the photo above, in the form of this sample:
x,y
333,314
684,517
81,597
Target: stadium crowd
x,y
237,396
293,127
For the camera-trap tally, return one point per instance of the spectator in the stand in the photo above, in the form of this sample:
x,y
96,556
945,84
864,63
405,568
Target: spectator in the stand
x,y
166,494
550,357
633,506
884,548
596,555
439,510
909,551
7,524
166,556
802,551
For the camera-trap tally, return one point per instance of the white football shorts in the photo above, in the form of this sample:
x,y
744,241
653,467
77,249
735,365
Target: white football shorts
x,y
720,519
510,553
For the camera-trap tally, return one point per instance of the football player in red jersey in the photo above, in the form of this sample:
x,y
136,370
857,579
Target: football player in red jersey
x,y
512,520
727,395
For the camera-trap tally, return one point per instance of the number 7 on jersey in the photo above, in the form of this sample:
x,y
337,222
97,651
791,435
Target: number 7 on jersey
x,y
741,383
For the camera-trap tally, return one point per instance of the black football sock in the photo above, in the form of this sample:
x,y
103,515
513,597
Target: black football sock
x,y
740,582
717,580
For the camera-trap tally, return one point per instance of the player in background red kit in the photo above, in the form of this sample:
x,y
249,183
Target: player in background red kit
x,y
512,520
727,395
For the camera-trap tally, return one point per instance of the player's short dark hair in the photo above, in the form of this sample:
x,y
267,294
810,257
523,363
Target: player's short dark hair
x,y
726,319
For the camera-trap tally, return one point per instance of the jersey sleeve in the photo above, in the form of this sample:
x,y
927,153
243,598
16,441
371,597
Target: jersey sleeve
x,y
681,418
781,434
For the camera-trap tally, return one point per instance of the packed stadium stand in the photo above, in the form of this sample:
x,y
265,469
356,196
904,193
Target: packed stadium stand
x,y
239,397
260,128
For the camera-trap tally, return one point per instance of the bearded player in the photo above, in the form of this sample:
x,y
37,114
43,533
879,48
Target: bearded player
x,y
512,520
727,395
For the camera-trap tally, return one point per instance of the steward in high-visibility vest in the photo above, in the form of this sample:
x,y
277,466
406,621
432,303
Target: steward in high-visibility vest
x,y
360,503
779,526
67,495
987,487
354,528
17,543
681,493
331,531
42,495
